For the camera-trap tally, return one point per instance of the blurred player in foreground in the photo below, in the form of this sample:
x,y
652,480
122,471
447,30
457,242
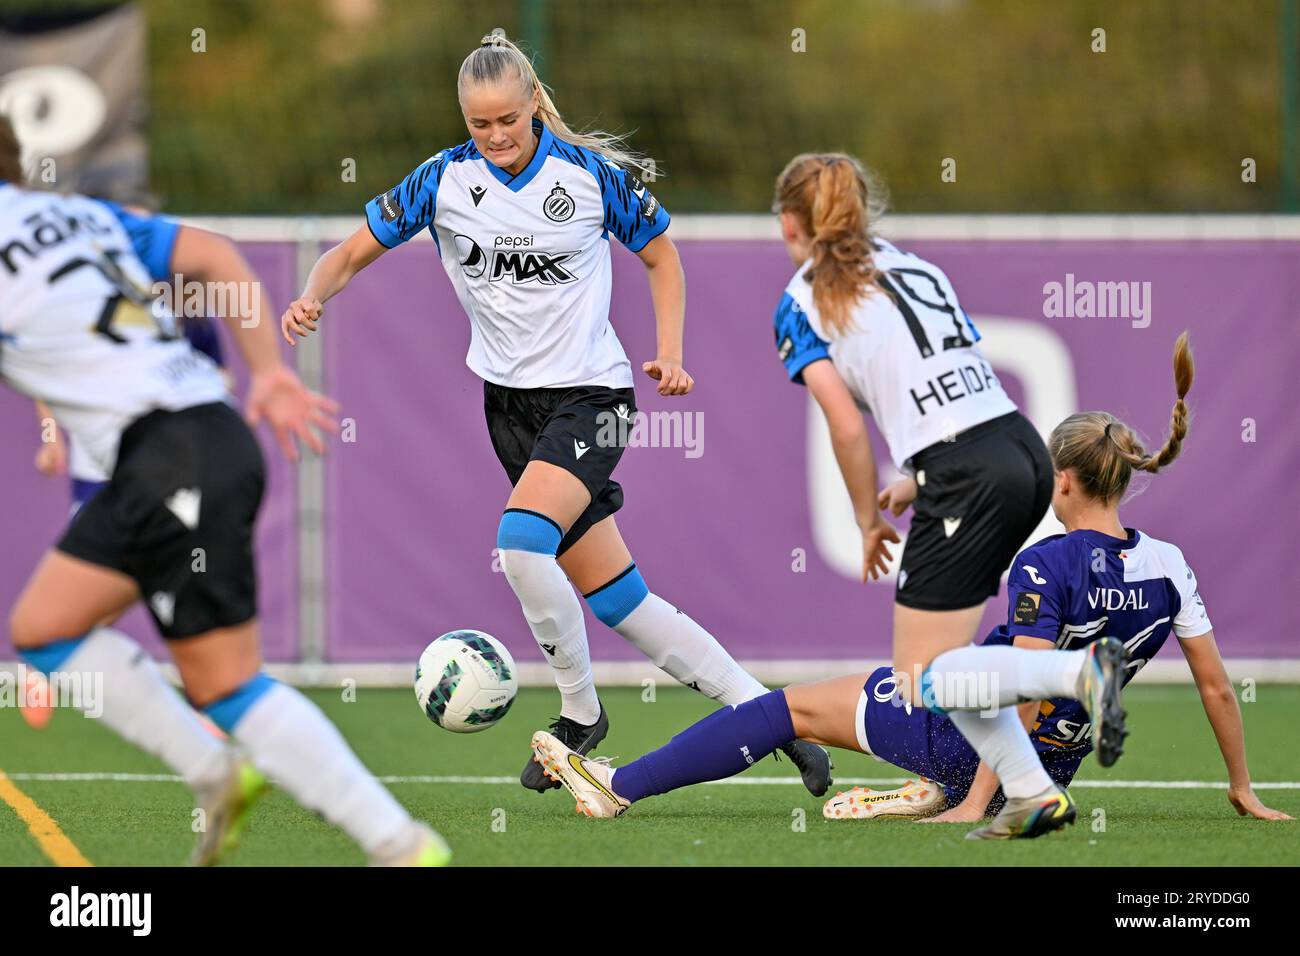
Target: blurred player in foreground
x,y
54,460
1099,581
174,525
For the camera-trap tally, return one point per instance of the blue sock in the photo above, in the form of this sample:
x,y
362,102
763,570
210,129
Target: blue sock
x,y
50,657
230,710
721,745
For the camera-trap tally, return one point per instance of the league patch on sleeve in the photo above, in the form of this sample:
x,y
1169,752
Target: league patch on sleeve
x,y
389,207
1027,608
785,348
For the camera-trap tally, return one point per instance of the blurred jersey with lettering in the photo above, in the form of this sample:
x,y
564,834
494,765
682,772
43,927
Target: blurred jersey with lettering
x,y
910,355
528,255
1073,589
79,326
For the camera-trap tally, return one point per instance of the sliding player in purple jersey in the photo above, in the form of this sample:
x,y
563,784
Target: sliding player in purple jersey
x,y
1070,591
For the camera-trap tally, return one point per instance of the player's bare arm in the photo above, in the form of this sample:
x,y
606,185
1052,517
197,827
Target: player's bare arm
x,y
331,274
275,392
1219,698
668,291
852,448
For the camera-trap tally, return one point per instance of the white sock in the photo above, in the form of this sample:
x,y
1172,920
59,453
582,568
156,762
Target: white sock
x,y
985,676
555,618
135,702
291,741
687,651
1004,745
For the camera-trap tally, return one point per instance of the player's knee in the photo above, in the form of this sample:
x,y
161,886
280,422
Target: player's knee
x,y
804,714
523,533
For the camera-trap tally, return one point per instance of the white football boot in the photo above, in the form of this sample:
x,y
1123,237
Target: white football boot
x,y
586,778
226,805
916,798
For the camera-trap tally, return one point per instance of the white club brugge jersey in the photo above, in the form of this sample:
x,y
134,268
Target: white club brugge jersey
x,y
909,357
528,255
78,326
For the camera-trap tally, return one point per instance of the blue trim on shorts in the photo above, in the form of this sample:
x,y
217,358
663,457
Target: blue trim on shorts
x,y
230,710
522,530
616,599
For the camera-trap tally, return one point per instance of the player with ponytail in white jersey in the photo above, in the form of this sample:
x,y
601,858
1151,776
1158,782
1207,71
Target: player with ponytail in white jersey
x,y
522,214
1055,600
865,325
173,524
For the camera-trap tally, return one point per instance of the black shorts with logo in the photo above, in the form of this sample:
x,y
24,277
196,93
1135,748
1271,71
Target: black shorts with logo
x,y
582,429
979,497
177,516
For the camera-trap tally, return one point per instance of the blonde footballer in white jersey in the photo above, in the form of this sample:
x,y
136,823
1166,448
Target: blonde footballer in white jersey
x,y
522,215
80,332
865,325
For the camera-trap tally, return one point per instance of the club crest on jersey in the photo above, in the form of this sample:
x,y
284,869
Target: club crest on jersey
x,y
521,267
389,206
558,205
471,256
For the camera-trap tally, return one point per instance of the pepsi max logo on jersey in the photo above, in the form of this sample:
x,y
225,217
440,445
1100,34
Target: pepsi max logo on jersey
x,y
521,267
558,205
1027,605
1117,599
48,229
389,206
470,255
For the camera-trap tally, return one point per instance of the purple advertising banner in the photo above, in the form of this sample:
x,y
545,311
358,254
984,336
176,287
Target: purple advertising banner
x,y
741,520
740,526
37,509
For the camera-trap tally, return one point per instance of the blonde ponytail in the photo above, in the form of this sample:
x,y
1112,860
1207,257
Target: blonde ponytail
x,y
1104,452
497,59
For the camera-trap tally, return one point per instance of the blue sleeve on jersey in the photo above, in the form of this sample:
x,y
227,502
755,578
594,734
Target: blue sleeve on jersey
x,y
152,237
1036,594
632,213
399,214
796,342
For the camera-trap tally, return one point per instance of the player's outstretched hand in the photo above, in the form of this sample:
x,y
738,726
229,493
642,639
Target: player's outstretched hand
x,y
52,458
1248,804
300,319
672,378
964,812
897,496
291,409
875,549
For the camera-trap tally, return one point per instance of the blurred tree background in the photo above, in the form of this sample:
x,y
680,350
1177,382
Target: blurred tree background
x,y
719,94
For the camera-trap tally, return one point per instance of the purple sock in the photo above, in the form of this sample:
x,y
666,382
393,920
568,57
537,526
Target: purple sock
x,y
721,745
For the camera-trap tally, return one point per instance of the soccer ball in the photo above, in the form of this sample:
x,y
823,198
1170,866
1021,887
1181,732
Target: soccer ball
x,y
465,681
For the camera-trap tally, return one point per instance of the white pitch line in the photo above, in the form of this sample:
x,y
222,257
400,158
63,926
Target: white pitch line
x,y
731,781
